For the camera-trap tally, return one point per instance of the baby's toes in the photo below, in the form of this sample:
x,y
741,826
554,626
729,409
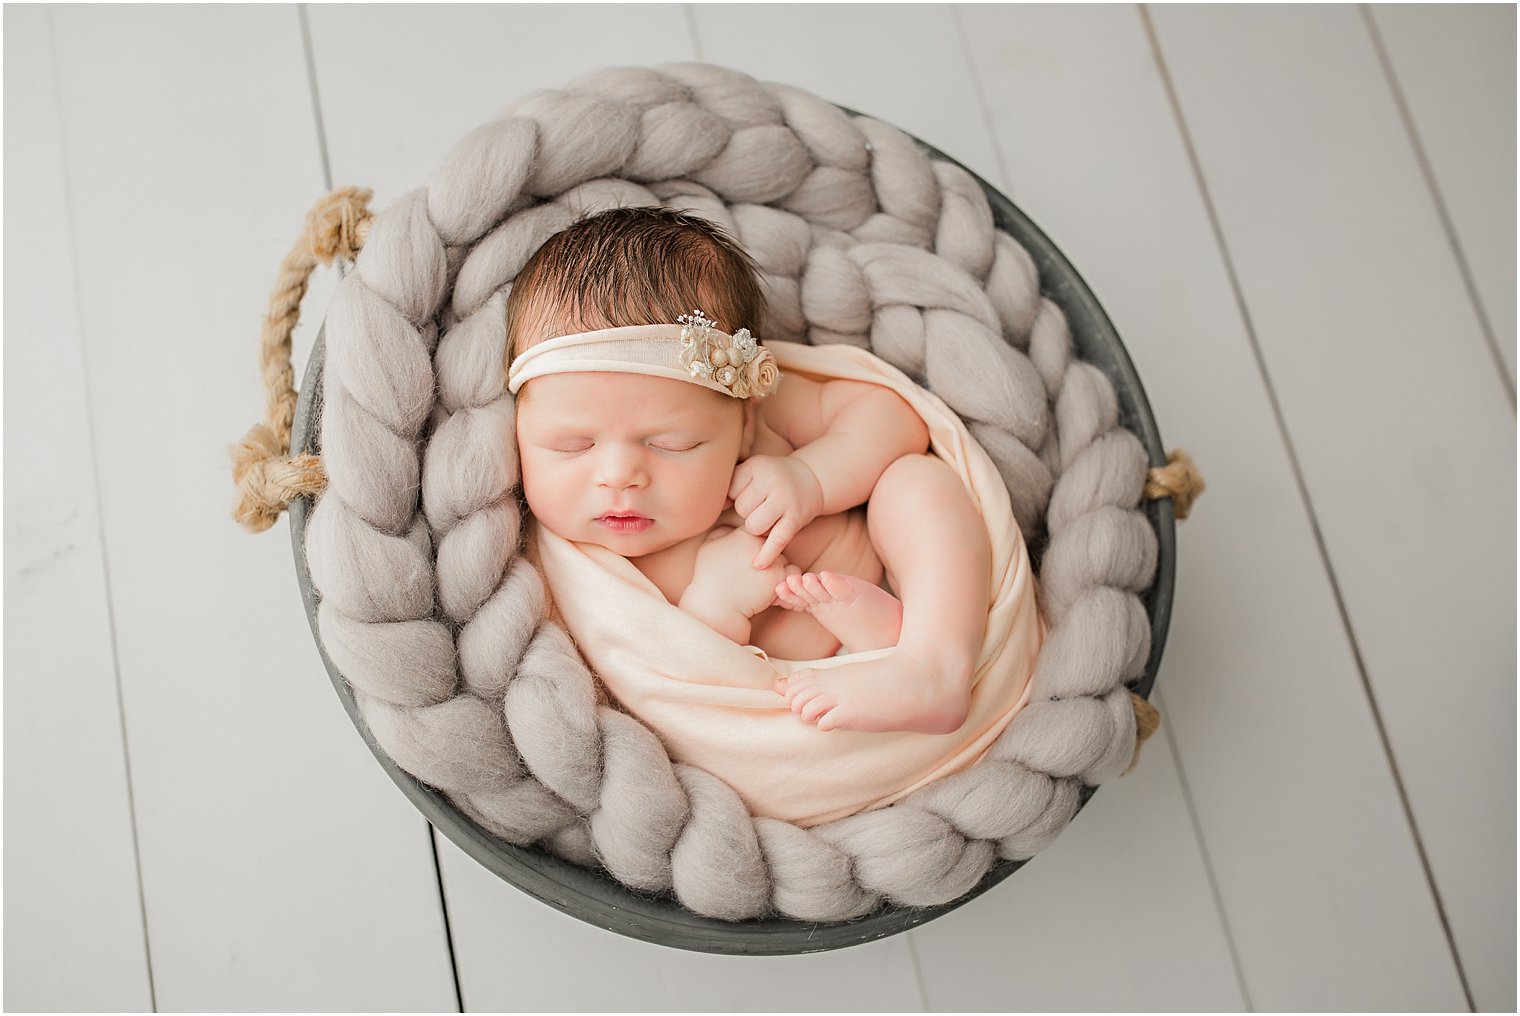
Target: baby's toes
x,y
802,678
785,597
816,707
838,587
814,586
799,683
798,585
801,698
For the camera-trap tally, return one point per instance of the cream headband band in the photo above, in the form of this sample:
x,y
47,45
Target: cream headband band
x,y
733,365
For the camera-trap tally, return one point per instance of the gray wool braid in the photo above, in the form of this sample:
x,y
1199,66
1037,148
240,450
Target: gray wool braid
x,y
439,623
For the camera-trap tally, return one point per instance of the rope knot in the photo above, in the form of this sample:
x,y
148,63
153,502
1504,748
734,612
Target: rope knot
x,y
1179,480
268,479
338,225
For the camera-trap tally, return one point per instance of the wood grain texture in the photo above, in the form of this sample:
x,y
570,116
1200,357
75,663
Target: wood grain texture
x,y
73,912
280,867
1400,424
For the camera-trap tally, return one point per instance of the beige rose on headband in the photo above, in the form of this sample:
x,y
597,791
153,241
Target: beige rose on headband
x,y
763,374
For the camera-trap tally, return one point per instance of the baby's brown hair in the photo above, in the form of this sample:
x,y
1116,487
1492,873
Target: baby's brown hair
x,y
633,266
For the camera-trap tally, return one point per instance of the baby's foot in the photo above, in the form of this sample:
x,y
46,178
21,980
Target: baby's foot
x,y
861,616
900,691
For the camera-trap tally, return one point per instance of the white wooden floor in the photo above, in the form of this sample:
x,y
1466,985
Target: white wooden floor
x,y
1302,220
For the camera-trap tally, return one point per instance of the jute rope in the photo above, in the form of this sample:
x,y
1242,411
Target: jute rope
x,y
267,477
1147,722
1179,480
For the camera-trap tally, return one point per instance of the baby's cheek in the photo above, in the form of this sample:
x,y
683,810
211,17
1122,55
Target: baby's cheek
x,y
538,498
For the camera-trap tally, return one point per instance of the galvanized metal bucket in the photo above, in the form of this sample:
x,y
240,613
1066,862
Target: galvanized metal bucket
x,y
595,897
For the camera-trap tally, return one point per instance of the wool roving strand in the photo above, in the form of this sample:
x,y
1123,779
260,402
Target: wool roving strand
x,y
441,625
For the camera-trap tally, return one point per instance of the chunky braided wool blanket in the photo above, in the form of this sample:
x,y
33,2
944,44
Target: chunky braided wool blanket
x,y
431,612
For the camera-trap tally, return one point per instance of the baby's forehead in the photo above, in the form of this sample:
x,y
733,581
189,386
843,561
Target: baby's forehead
x,y
559,410
629,400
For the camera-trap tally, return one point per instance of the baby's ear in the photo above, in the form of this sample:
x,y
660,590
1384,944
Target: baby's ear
x,y
747,440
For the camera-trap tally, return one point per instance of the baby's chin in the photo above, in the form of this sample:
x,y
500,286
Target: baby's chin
x,y
645,544
629,545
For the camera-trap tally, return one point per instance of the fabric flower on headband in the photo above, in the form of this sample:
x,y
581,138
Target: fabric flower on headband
x,y
735,362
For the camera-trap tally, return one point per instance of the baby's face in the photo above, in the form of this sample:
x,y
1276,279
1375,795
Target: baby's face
x,y
629,462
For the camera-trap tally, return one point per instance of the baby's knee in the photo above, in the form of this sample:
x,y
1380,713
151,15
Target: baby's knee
x,y
917,477
919,460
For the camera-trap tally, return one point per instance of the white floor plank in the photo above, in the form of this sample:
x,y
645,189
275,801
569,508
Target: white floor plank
x,y
1320,883
281,868
1455,64
517,954
73,914
1400,422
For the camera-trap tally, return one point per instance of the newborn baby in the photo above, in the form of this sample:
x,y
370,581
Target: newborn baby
x,y
651,430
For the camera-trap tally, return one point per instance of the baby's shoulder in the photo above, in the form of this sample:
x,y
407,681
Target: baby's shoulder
x,y
801,408
793,409
793,390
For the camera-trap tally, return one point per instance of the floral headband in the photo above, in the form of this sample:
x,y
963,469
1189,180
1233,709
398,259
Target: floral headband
x,y
733,365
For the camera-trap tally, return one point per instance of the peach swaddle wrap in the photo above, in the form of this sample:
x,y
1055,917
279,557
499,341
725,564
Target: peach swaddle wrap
x,y
712,702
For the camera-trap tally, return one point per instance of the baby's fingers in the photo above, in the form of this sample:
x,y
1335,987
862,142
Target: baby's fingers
x,y
749,499
787,598
743,474
761,517
781,534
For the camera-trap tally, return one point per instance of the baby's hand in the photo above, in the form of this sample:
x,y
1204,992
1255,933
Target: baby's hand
x,y
725,579
778,493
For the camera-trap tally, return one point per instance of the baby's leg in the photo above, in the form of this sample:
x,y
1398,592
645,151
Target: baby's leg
x,y
934,545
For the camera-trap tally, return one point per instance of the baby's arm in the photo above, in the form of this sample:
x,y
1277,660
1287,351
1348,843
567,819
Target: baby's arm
x,y
861,430
725,592
846,434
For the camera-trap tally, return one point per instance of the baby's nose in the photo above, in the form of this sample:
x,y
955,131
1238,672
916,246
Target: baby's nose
x,y
621,469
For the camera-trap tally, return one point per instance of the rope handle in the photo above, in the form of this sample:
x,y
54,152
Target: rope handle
x,y
267,476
